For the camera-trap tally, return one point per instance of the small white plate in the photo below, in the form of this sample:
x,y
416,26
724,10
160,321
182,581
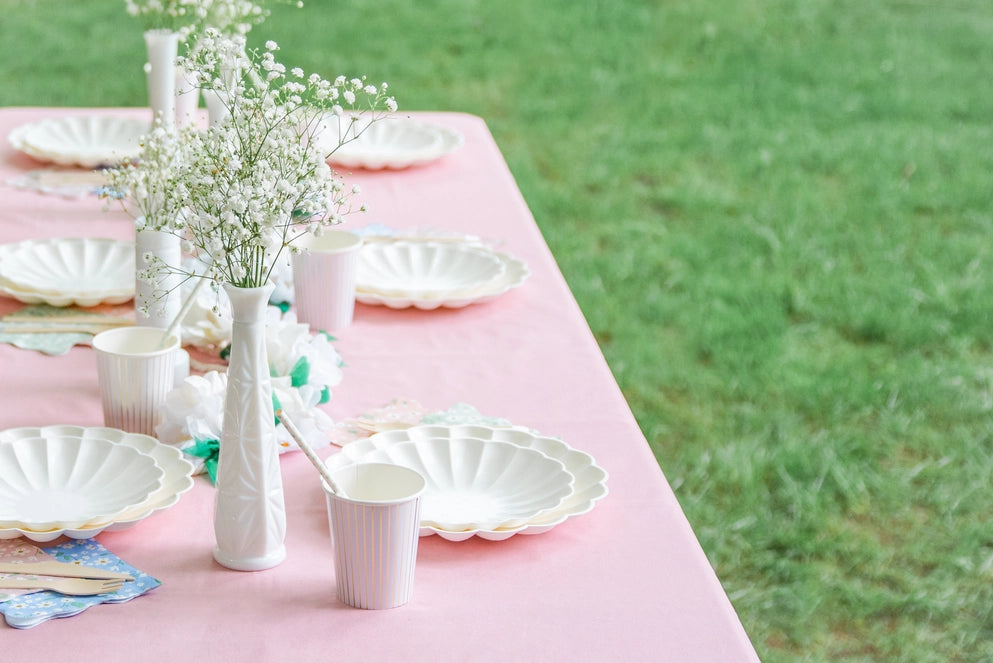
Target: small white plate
x,y
425,270
177,479
589,487
63,482
393,143
88,141
65,271
514,274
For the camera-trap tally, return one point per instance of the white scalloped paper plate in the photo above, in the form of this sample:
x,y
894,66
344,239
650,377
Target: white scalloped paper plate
x,y
86,140
177,479
65,482
474,484
590,480
515,272
393,143
425,270
66,271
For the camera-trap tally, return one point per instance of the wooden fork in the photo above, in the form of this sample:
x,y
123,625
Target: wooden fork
x,y
70,586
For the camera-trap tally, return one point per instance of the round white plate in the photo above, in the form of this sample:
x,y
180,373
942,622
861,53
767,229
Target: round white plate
x,y
63,271
393,143
88,141
177,479
514,274
590,483
64,482
475,484
425,270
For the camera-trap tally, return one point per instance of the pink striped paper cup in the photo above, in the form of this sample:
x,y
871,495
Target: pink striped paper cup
x,y
324,274
135,370
375,525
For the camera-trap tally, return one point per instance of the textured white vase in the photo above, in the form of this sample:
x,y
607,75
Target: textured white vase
x,y
249,515
163,47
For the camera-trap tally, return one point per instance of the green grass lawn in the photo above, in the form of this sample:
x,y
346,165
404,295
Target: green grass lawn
x,y
777,217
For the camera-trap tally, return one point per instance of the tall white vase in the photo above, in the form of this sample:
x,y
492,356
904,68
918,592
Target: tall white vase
x,y
157,303
187,99
249,516
163,47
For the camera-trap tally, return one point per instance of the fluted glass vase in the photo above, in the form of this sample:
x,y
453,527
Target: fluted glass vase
x,y
249,515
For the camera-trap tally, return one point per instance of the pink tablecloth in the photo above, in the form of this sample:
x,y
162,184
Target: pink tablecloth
x,y
626,582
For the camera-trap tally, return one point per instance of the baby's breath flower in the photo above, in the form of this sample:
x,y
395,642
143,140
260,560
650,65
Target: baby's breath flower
x,y
240,192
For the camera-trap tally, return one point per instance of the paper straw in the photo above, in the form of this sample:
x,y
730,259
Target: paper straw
x,y
184,309
308,451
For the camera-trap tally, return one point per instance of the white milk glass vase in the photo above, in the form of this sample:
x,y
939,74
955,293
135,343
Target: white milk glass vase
x,y
163,47
249,515
187,98
158,302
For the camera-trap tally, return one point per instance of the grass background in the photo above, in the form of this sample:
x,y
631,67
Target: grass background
x,y
776,215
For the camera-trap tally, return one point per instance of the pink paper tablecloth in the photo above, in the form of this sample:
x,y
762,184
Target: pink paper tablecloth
x,y
626,582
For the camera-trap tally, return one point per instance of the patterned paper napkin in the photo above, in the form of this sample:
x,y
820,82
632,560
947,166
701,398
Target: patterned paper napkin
x,y
405,413
53,343
24,610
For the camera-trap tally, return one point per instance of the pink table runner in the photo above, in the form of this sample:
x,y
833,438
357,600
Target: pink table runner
x,y
626,582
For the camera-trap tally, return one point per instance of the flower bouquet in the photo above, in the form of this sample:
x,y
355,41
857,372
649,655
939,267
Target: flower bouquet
x,y
240,194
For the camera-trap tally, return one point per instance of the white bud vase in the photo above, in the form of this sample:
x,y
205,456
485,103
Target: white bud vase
x,y
249,516
158,302
163,47
187,99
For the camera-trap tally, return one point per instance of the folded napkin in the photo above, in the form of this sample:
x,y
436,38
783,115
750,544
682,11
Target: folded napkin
x,y
58,342
63,182
24,610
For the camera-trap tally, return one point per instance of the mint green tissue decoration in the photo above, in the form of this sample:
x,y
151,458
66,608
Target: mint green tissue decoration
x,y
209,451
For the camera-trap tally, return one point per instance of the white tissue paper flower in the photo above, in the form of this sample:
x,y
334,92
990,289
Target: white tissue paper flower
x,y
310,359
194,412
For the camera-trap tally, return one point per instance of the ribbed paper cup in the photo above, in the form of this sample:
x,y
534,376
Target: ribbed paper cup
x,y
135,371
375,524
324,275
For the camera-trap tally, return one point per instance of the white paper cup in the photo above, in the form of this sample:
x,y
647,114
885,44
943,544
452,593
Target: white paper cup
x,y
135,372
324,275
375,525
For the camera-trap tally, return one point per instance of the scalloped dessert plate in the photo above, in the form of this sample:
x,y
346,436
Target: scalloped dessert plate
x,y
515,273
68,270
87,140
177,478
393,143
63,482
425,270
589,487
475,484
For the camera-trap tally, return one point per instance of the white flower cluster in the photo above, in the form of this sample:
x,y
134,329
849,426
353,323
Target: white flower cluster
x,y
189,16
242,191
143,191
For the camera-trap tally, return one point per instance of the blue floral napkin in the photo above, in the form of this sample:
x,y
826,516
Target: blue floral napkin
x,y
32,609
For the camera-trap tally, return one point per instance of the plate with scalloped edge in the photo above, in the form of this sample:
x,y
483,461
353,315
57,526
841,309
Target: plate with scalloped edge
x,y
515,273
62,271
389,143
82,140
178,478
589,486
64,482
